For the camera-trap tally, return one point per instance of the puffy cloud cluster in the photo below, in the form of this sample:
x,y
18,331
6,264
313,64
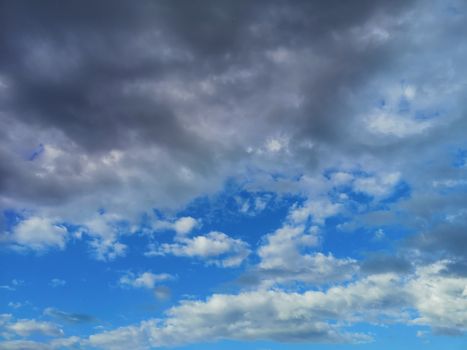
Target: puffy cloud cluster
x,y
215,248
39,234
26,327
144,280
312,316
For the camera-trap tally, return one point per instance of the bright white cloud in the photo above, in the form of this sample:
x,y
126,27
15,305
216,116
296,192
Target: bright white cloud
x,y
271,315
318,209
378,186
440,299
144,280
104,233
39,233
185,225
283,259
26,327
215,248
181,226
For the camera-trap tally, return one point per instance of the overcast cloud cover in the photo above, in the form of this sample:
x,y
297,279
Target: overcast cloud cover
x,y
229,173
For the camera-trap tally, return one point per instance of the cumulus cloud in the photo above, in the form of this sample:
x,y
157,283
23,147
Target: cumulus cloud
x,y
377,186
308,316
440,299
35,345
284,259
25,327
181,226
318,210
427,298
144,280
215,248
38,234
276,315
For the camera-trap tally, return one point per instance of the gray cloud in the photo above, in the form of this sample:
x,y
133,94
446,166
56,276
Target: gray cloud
x,y
92,79
68,317
377,264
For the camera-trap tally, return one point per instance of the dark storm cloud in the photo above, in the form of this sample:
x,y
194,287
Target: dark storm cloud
x,y
87,71
93,47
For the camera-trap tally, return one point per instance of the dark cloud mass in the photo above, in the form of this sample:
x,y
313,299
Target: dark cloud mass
x,y
99,74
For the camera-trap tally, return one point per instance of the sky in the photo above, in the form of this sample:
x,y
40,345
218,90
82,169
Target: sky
x,y
223,174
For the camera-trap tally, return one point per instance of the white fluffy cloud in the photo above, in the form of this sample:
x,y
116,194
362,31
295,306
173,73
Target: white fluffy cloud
x,y
428,298
318,209
26,327
440,299
104,234
215,248
38,233
185,225
283,259
181,226
314,316
144,280
271,315
377,186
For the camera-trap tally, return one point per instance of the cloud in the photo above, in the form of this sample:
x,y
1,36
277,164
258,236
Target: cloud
x,y
441,300
39,234
312,316
73,318
35,345
13,285
25,327
57,282
144,280
181,226
162,293
104,231
318,210
24,345
15,305
270,315
425,298
379,263
284,259
377,186
215,248
178,114
262,315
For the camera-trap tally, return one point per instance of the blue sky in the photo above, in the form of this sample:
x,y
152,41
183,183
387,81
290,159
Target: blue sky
x,y
224,174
